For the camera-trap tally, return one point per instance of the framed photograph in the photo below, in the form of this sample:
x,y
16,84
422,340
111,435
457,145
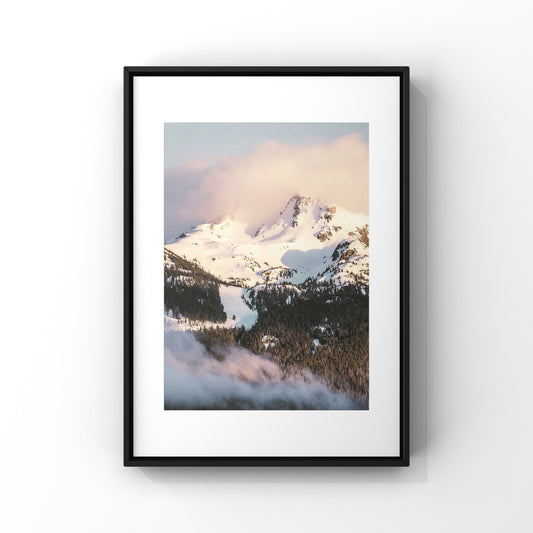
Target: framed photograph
x,y
266,312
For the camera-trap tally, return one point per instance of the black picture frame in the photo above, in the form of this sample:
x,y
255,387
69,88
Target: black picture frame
x,y
130,73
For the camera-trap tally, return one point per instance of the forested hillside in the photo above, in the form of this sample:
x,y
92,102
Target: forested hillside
x,y
324,329
190,291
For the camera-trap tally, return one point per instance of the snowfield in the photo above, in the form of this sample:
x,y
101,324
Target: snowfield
x,y
298,244
234,305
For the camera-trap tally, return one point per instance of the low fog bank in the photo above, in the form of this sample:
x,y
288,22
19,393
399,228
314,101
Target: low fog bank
x,y
237,379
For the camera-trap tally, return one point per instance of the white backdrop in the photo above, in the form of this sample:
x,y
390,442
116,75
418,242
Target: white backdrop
x,y
61,281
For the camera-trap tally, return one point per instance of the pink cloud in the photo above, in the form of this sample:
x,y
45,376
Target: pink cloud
x,y
254,187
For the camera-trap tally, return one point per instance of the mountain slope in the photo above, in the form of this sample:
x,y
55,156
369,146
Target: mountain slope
x,y
294,292
195,298
307,241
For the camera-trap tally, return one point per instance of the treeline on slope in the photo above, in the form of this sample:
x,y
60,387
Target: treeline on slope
x,y
337,317
191,291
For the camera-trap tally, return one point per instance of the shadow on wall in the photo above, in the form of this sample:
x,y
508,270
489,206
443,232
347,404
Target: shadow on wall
x,y
419,338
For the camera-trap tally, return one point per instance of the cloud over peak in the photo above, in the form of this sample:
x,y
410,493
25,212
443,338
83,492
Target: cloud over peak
x,y
254,186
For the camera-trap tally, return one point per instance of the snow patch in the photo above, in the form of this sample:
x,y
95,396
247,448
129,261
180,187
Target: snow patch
x,y
235,306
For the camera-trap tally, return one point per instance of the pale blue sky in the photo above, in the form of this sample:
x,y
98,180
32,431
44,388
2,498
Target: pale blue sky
x,y
210,142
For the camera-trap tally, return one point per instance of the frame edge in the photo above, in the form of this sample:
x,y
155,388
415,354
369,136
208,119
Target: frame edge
x,y
404,267
128,452
128,266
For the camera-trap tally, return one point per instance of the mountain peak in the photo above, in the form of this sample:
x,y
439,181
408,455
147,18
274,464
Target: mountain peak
x,y
300,198
309,209
307,239
302,215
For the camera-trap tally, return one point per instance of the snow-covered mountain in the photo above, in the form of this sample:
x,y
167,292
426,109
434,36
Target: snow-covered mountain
x,y
308,241
292,294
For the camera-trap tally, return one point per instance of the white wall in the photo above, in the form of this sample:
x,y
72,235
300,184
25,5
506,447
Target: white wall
x,y
61,293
